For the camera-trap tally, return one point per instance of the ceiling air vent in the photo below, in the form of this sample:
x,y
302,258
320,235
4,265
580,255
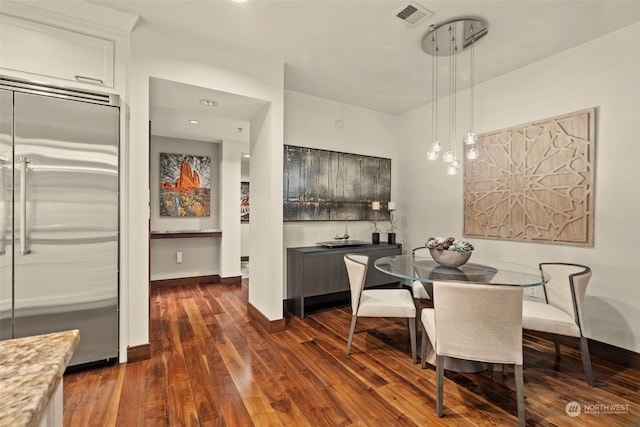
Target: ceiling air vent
x,y
412,13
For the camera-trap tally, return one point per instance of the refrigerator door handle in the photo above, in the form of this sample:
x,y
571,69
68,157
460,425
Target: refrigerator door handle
x,y
24,162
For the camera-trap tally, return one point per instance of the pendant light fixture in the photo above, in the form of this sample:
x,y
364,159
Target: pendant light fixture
x,y
460,34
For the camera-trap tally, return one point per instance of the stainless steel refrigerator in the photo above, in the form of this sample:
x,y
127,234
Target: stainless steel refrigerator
x,y
59,216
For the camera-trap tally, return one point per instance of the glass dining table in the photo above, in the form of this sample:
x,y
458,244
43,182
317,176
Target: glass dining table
x,y
413,268
426,270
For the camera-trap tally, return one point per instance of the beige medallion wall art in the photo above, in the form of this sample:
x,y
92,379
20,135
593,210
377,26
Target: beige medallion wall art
x,y
534,182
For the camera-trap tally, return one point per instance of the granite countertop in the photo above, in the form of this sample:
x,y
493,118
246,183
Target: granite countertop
x,y
30,370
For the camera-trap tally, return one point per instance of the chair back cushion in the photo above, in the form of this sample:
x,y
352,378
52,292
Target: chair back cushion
x,y
563,277
357,271
478,321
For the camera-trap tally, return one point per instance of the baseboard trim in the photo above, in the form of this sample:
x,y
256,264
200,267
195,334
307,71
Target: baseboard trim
x,y
136,353
609,352
618,355
182,281
271,326
233,280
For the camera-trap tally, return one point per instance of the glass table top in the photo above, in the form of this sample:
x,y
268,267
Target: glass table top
x,y
426,270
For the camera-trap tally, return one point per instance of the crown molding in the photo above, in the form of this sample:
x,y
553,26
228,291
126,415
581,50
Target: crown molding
x,y
74,15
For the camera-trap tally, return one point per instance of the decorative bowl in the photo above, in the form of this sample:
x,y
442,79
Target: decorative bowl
x,y
451,259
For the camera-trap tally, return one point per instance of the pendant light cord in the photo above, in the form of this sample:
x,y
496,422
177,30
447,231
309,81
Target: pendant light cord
x,y
434,88
452,86
472,80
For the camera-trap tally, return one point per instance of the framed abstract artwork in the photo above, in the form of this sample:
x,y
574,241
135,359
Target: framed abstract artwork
x,y
244,202
185,185
534,182
321,185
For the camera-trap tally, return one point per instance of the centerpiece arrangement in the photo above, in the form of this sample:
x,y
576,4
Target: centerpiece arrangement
x,y
449,252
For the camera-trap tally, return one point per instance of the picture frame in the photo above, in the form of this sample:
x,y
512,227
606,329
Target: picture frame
x,y
322,185
244,202
534,183
185,185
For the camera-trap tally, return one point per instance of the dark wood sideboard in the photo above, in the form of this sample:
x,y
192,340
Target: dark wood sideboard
x,y
317,275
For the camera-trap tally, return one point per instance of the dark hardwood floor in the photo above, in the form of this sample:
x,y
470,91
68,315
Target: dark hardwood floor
x,y
211,366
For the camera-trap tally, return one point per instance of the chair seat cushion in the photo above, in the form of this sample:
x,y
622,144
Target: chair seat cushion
x,y
419,292
386,303
543,317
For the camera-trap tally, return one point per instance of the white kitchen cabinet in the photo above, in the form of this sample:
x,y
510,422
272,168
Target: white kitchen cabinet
x,y
37,48
52,416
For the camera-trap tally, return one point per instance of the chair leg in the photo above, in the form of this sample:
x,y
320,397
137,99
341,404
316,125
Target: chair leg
x,y
416,302
423,349
586,360
412,335
440,383
556,343
519,394
351,332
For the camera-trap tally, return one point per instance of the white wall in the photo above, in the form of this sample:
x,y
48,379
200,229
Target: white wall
x,y
201,256
604,73
311,122
230,172
173,56
266,289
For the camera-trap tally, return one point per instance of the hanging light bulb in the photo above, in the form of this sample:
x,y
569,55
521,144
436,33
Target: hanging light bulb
x,y
449,156
455,163
470,138
472,153
435,150
452,170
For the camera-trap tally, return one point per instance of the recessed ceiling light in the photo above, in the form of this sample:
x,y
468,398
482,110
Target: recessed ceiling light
x,y
239,1
194,122
246,156
208,102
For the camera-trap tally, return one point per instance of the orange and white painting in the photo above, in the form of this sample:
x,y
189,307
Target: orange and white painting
x,y
185,185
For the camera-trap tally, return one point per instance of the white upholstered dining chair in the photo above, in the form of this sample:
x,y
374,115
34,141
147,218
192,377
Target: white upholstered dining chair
x,y
377,302
561,312
418,288
479,322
